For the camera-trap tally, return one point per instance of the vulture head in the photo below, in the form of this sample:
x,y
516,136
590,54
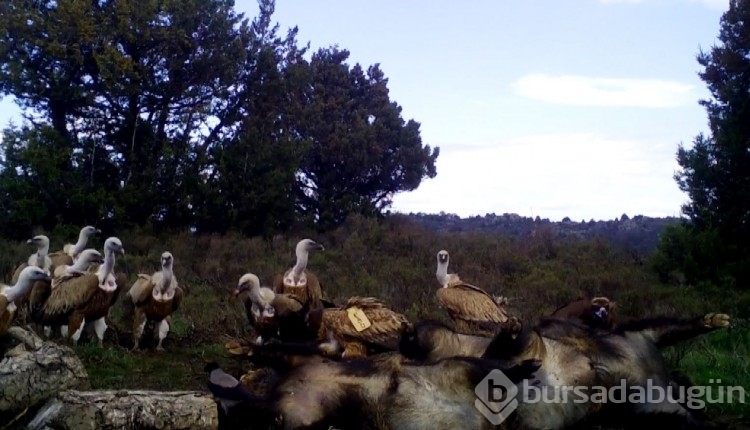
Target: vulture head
x,y
40,242
261,297
306,246
89,231
89,257
167,260
442,257
114,245
31,274
26,279
601,310
442,267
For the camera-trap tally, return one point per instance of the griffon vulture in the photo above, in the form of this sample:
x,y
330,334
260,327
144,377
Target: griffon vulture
x,y
39,259
272,315
300,282
9,294
472,309
155,298
41,291
83,263
361,323
598,312
70,252
83,297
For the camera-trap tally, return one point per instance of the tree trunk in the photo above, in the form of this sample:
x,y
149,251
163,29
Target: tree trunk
x,y
36,370
78,410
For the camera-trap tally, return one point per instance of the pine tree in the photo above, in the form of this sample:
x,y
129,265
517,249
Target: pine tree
x,y
716,170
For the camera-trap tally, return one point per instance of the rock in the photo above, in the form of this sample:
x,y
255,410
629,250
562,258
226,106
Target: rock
x,y
36,370
128,409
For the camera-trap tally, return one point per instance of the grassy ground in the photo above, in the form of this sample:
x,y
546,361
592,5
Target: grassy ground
x,y
719,359
395,261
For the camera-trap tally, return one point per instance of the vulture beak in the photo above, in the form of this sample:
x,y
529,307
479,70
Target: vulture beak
x,y
240,288
97,231
601,313
30,241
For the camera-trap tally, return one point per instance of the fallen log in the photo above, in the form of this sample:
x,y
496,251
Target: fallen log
x,y
128,409
36,370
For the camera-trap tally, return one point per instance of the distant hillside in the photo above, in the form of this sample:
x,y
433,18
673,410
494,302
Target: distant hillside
x,y
639,233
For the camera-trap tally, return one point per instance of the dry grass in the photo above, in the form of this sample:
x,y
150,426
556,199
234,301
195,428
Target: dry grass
x,y
395,260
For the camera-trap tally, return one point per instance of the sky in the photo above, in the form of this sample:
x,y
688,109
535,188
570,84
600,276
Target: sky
x,y
541,108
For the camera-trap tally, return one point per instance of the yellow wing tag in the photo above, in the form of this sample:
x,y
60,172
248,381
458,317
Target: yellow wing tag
x,y
358,318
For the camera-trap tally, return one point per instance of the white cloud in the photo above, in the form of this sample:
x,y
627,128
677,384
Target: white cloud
x,y
582,176
593,91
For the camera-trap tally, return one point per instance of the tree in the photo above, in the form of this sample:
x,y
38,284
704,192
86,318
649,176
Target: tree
x,y
128,86
358,151
180,114
715,172
251,187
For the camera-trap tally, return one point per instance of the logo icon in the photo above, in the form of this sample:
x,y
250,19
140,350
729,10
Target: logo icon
x,y
496,397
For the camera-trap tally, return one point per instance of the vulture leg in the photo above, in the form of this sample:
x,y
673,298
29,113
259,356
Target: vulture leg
x,y
100,327
75,325
163,330
139,323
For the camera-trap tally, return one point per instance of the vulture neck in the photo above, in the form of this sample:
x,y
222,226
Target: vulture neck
x,y
166,280
81,265
82,240
301,264
442,273
107,267
41,256
19,290
255,295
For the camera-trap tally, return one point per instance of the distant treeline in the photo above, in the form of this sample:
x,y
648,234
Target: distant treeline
x,y
189,115
639,234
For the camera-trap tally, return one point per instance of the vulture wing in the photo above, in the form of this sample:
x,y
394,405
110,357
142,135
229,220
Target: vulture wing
x,y
71,293
61,259
366,319
141,289
470,303
177,299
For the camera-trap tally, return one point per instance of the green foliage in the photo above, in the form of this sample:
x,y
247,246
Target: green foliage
x,y
183,114
721,356
359,150
715,172
687,255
